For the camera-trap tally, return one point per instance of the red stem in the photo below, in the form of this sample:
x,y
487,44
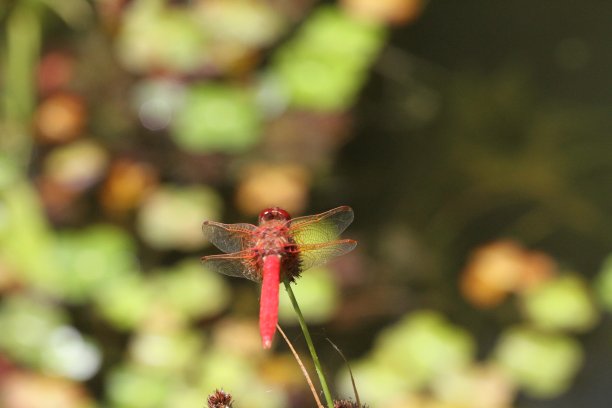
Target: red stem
x,y
268,305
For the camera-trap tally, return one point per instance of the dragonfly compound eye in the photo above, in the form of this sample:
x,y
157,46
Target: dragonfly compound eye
x,y
275,213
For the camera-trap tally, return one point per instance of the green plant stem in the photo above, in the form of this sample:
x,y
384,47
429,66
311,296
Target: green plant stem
x,y
313,352
19,61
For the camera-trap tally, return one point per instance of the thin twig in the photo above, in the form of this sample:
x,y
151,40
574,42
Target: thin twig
x,y
349,368
302,367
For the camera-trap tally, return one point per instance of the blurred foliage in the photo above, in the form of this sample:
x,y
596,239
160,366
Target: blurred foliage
x,y
198,127
89,258
542,363
482,205
318,295
604,284
562,304
170,216
324,65
408,356
28,325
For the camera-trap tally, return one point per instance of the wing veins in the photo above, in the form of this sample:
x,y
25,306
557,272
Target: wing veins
x,y
320,228
312,255
228,237
240,264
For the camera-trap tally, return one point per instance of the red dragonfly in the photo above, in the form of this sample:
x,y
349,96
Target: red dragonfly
x,y
279,248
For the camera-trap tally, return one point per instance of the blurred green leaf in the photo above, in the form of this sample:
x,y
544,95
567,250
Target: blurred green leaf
x,y
317,295
23,36
251,23
238,374
9,171
192,290
155,37
225,369
325,65
377,382
172,216
423,345
133,386
92,257
217,118
25,239
603,284
485,386
332,31
563,303
125,302
166,352
317,83
544,364
185,397
27,324
76,13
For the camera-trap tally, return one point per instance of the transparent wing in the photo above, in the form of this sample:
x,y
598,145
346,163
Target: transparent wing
x,y
228,237
317,254
241,264
320,228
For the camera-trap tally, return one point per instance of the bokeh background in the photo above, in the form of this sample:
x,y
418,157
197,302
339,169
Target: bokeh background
x,y
472,138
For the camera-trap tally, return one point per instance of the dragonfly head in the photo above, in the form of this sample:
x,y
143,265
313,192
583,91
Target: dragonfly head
x,y
274,213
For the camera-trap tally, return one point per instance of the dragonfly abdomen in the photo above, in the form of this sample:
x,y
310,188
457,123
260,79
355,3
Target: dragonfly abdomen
x,y
268,306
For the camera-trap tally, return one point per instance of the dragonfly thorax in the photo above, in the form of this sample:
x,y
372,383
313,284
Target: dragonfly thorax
x,y
272,239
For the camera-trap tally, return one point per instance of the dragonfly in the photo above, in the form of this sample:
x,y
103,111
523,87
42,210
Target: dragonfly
x,y
278,249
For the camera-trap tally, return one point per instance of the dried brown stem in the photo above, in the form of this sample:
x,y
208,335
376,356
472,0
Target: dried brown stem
x,y
302,367
350,371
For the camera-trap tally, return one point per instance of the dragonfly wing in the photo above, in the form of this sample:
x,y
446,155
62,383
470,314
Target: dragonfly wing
x,y
317,254
228,237
242,264
320,228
